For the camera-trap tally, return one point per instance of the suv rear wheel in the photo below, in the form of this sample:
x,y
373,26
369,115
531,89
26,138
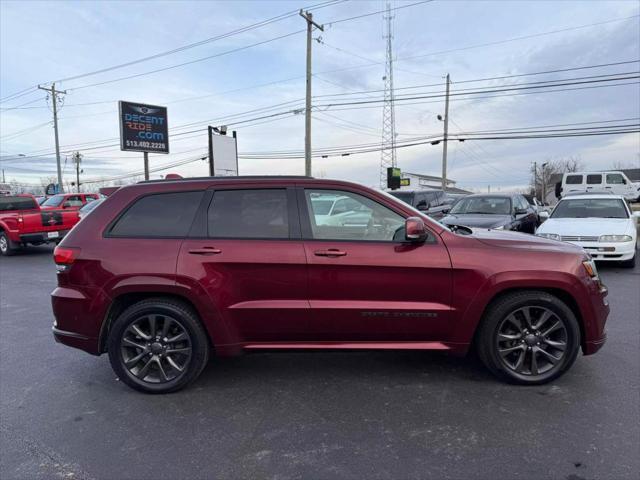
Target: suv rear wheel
x,y
528,338
158,346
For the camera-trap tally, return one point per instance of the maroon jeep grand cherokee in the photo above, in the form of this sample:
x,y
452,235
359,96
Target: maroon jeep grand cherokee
x,y
164,273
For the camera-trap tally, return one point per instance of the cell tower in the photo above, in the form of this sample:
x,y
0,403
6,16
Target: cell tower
x,y
388,153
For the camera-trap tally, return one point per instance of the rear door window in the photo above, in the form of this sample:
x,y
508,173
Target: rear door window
x,y
259,213
574,179
594,179
162,215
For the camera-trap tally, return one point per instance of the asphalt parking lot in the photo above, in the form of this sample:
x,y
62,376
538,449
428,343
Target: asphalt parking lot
x,y
63,414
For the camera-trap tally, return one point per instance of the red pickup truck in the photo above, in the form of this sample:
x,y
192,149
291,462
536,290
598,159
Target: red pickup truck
x,y
22,221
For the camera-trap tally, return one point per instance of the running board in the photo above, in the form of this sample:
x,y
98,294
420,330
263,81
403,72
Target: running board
x,y
346,346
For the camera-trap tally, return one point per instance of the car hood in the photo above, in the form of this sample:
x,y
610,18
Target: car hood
x,y
525,241
477,220
587,226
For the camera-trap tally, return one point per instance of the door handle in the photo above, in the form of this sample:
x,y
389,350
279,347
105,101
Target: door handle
x,y
205,251
332,252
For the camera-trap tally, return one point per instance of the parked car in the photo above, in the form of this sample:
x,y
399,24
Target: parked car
x,y
164,273
502,211
430,202
22,222
614,181
5,189
72,201
538,207
602,224
88,207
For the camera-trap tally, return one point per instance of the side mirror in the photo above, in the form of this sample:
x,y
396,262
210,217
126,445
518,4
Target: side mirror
x,y
520,211
544,215
446,210
422,206
415,230
66,205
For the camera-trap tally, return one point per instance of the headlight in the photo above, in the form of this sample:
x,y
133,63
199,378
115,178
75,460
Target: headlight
x,y
590,267
552,236
615,238
501,227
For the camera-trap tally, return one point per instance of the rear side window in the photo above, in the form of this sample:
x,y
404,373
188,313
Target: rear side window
x,y
159,215
615,179
594,179
250,214
574,179
17,203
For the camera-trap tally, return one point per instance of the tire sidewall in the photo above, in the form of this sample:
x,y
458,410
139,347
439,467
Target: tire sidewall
x,y
539,299
199,346
9,245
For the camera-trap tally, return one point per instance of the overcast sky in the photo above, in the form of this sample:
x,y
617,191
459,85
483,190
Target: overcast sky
x,y
45,41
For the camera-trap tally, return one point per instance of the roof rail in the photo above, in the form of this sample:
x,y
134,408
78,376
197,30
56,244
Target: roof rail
x,y
236,177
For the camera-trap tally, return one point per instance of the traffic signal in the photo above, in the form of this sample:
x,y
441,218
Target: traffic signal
x,y
393,178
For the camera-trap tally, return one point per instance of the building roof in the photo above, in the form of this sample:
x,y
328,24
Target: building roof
x,y
430,177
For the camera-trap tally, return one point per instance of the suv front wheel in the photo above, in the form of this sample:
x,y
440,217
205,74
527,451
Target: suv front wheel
x,y
529,338
158,346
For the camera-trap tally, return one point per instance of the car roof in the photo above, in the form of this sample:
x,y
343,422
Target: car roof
x,y
592,196
504,195
207,182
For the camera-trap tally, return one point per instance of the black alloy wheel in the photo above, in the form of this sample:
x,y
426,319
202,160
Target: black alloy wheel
x,y
528,337
158,346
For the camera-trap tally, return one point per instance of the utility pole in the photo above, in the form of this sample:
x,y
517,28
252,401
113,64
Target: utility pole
x,y
210,131
77,158
535,179
544,183
308,16
54,98
445,137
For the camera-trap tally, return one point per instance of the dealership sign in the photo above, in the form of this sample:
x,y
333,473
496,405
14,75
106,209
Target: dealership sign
x,y
143,128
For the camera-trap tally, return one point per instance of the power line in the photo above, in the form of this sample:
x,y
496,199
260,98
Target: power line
x,y
180,49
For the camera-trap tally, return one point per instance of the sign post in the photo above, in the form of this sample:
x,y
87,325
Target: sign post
x,y
143,128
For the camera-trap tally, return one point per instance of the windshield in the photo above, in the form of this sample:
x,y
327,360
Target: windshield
x,y
54,201
406,197
590,208
91,205
482,205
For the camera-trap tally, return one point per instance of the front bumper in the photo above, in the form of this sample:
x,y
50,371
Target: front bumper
x,y
610,251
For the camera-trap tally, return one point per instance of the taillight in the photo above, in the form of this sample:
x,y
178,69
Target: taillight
x,y
64,257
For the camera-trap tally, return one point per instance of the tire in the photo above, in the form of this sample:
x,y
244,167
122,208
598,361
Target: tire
x,y
152,360
631,263
6,245
507,343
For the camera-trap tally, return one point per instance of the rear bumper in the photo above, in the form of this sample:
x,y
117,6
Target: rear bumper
x,y
78,317
75,340
41,237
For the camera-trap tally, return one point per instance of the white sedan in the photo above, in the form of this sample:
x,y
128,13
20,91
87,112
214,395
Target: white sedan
x,y
601,224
